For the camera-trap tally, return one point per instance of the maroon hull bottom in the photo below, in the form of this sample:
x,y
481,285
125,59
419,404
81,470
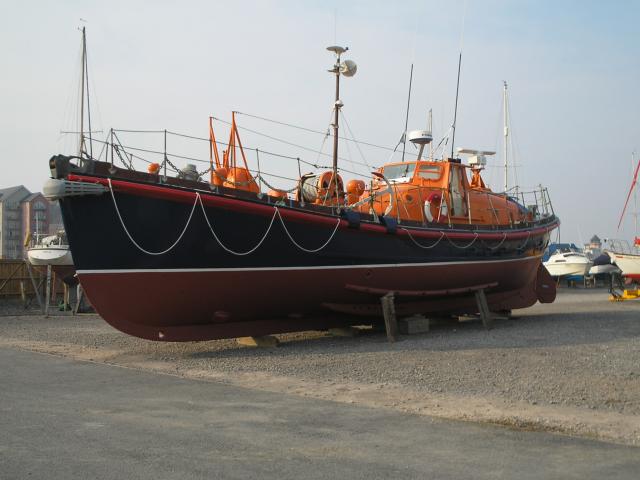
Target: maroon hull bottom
x,y
189,305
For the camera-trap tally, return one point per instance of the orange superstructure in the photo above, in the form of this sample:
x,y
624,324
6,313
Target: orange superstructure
x,y
425,191
437,191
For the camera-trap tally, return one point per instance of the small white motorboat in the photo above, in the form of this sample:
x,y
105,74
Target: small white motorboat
x,y
568,261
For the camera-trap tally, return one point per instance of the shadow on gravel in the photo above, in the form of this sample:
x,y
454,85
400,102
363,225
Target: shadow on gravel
x,y
530,331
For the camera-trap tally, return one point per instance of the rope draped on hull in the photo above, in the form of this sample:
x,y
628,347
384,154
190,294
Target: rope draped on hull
x,y
198,199
276,213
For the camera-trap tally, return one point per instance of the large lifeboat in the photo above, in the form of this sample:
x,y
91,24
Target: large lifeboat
x,y
184,257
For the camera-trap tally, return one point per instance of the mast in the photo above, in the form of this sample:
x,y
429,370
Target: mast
x,y
82,76
86,74
336,113
634,179
635,201
506,138
406,119
84,84
348,69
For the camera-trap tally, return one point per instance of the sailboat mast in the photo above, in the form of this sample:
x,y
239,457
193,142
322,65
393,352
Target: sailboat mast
x,y
635,200
634,180
86,74
82,76
506,138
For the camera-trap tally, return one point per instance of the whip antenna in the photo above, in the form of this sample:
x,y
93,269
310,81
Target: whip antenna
x,y
455,111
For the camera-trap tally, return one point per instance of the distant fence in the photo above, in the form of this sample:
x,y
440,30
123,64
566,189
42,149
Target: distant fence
x,y
16,282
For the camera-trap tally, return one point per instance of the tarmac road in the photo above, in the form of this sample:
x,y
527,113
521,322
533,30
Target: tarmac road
x,y
64,419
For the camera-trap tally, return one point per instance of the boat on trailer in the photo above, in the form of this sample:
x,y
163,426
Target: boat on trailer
x,y
185,257
624,255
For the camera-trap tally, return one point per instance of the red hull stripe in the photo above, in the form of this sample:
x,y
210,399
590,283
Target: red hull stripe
x,y
239,205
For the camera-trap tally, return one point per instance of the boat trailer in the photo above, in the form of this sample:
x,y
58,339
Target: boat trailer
x,y
617,292
627,294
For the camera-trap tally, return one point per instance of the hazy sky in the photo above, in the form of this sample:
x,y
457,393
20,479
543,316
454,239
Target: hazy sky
x,y
573,69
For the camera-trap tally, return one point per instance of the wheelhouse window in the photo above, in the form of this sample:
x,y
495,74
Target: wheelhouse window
x,y
400,172
430,172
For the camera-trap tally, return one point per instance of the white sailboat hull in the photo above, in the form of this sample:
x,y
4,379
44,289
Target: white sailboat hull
x,y
628,263
42,256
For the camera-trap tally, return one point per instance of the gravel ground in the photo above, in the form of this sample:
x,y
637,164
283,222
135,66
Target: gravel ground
x,y
578,355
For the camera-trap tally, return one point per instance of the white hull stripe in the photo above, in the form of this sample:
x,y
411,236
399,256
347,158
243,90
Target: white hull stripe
x,y
323,267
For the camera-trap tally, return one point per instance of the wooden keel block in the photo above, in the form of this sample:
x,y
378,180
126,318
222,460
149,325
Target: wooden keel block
x,y
483,308
344,332
413,325
389,312
265,342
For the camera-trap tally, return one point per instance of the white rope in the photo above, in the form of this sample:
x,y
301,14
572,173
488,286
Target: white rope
x,y
224,247
465,246
227,249
301,247
526,240
419,244
504,237
136,243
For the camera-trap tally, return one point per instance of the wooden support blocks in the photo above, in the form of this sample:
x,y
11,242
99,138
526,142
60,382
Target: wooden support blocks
x,y
413,325
483,308
389,312
264,342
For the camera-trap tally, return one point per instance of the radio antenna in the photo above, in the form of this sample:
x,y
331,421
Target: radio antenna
x,y
455,111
